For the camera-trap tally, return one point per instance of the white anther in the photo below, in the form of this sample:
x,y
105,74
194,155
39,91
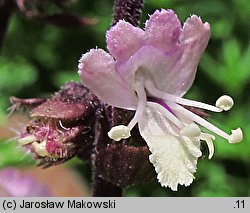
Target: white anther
x,y
119,132
191,130
225,102
26,140
236,136
40,148
208,138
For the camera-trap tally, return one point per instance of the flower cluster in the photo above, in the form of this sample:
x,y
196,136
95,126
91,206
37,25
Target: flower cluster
x,y
149,71
61,126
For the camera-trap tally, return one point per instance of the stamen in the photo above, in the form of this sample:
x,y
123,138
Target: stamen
x,y
119,132
170,116
161,102
142,100
191,130
26,140
209,140
235,137
225,102
123,132
172,98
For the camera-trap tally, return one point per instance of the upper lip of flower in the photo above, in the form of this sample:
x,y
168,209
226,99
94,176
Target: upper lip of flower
x,y
167,54
158,63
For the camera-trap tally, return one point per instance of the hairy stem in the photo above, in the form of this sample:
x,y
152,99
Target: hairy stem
x,y
101,187
6,9
105,188
128,10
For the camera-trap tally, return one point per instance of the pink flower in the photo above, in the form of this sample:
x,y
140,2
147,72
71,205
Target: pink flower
x,y
15,184
149,71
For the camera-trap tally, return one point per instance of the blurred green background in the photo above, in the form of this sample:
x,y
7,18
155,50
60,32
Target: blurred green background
x,y
37,59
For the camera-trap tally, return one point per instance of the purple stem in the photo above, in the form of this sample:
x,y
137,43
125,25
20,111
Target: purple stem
x,y
101,187
128,10
106,189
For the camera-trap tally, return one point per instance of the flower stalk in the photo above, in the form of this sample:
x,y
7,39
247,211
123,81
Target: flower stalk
x,y
6,9
128,10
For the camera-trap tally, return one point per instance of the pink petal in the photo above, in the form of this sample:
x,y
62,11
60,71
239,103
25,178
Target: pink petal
x,y
193,40
123,40
163,29
17,184
97,72
153,64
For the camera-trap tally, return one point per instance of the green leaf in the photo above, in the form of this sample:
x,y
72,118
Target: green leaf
x,y
15,74
12,155
231,71
238,117
64,76
222,28
212,180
